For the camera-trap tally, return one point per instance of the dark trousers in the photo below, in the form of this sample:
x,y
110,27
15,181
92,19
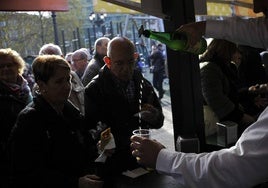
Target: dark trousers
x,y
158,83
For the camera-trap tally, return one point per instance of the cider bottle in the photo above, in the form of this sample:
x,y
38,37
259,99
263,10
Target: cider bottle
x,y
175,40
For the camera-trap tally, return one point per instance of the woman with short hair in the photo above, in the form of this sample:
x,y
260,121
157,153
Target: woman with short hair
x,y
49,146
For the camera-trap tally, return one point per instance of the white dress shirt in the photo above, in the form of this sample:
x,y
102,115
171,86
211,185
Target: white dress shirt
x,y
252,32
243,165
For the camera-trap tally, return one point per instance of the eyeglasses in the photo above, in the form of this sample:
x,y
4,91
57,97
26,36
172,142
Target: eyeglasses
x,y
7,65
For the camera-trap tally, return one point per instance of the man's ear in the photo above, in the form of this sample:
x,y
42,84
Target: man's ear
x,y
107,61
136,55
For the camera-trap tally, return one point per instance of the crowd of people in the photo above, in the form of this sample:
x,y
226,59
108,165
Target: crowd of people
x,y
50,131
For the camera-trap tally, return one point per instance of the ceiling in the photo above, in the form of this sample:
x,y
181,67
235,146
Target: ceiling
x,y
202,7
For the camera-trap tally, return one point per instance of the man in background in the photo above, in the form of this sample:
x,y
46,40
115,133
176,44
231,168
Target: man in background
x,y
158,70
122,99
80,62
92,69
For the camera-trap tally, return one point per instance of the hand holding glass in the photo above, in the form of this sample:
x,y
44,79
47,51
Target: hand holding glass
x,y
146,133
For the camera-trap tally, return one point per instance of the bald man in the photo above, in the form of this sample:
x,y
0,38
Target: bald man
x,y
95,64
115,98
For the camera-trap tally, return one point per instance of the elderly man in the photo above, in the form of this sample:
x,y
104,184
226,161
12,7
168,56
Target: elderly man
x,y
116,97
79,61
100,50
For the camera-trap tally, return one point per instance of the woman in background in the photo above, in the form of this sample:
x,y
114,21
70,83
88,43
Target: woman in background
x,y
220,84
15,94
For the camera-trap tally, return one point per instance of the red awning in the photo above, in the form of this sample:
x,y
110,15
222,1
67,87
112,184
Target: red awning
x,y
34,5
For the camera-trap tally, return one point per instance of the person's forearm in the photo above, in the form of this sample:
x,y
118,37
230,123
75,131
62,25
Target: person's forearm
x,y
196,170
252,32
247,161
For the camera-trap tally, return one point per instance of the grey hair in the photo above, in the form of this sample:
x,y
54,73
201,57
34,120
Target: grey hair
x,y
81,53
50,49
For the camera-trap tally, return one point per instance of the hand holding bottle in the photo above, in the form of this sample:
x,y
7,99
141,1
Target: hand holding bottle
x,y
195,31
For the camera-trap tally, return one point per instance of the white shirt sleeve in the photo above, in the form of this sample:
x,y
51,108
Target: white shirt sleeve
x,y
252,32
243,165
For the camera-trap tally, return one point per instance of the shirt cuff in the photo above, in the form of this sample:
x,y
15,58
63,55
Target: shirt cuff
x,y
164,160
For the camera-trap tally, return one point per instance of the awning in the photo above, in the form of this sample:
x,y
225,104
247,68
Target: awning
x,y
34,5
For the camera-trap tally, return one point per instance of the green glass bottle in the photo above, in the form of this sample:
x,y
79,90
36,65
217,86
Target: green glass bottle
x,y
175,40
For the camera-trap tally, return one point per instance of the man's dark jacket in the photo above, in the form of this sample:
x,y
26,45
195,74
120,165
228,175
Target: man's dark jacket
x,y
106,102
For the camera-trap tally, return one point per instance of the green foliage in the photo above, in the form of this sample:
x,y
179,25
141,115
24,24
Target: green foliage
x,y
71,20
22,32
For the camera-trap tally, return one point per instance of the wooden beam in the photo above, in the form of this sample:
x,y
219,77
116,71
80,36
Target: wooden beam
x,y
231,2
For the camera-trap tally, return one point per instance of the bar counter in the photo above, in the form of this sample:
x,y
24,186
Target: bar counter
x,y
150,180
